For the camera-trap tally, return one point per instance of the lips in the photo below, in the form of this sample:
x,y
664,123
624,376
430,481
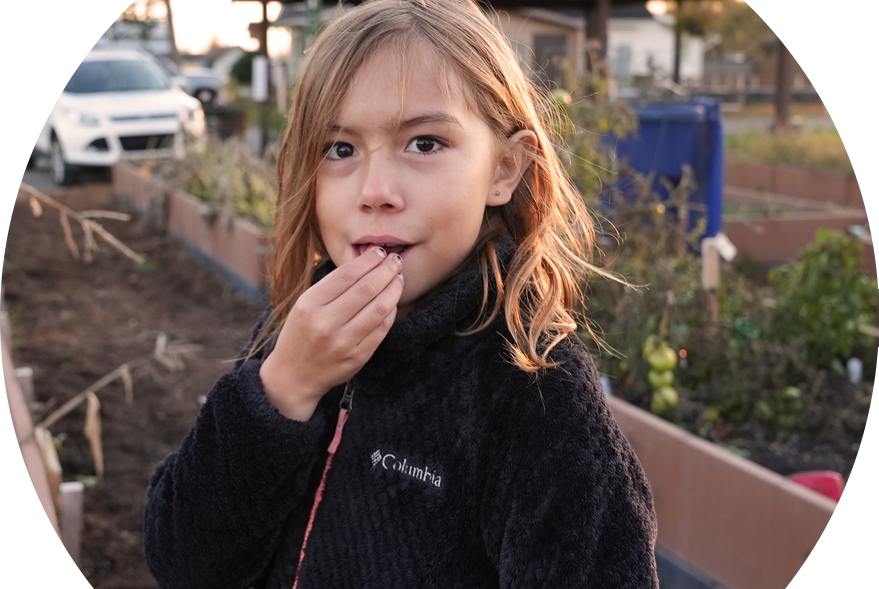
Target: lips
x,y
391,248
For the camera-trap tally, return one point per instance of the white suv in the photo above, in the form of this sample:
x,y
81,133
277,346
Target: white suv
x,y
117,105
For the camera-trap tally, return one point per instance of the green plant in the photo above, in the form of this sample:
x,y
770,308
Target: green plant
x,y
589,122
228,177
820,150
825,297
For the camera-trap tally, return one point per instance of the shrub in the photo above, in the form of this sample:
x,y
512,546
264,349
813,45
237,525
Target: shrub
x,y
227,176
825,298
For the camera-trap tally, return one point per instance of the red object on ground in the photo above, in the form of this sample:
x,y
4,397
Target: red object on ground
x,y
826,482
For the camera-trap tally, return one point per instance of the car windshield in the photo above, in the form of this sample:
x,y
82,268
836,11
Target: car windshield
x,y
116,76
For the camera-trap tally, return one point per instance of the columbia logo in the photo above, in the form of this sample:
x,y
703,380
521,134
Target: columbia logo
x,y
390,461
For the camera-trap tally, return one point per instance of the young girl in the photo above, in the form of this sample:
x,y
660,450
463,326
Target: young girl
x,y
415,409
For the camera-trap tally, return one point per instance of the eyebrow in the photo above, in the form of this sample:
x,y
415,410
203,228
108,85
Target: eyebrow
x,y
425,119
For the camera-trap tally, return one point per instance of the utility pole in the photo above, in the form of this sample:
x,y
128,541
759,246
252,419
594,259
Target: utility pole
x,y
679,35
175,53
260,31
264,52
597,16
783,82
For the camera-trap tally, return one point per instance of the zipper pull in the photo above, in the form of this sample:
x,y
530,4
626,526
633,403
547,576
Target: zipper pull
x,y
347,397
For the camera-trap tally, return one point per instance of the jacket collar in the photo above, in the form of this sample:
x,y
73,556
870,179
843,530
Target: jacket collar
x,y
451,307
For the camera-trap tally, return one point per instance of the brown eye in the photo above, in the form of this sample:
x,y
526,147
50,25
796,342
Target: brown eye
x,y
425,145
338,151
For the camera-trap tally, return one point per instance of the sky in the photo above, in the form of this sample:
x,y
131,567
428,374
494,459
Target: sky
x,y
198,22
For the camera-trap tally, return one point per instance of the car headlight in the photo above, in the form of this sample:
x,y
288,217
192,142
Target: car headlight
x,y
83,119
193,121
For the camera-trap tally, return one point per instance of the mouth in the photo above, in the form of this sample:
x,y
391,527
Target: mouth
x,y
391,248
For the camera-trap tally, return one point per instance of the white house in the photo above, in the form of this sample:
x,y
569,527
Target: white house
x,y
641,44
551,43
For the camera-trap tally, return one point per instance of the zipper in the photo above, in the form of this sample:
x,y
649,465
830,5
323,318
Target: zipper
x,y
345,406
347,396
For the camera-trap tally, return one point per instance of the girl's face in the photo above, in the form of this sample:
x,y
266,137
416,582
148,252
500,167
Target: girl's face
x,y
408,167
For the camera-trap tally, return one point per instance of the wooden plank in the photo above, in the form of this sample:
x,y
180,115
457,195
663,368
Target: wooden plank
x,y
25,377
45,532
5,329
742,525
71,517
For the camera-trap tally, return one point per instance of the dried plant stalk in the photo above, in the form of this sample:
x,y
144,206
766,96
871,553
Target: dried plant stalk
x,y
50,461
88,242
116,216
171,357
94,227
68,236
127,382
92,432
36,208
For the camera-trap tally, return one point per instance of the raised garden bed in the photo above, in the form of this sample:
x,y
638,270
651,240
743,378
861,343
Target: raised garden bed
x,y
236,248
773,228
74,323
710,502
43,525
820,185
741,525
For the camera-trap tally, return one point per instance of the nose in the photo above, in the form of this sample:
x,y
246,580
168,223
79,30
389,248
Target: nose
x,y
380,189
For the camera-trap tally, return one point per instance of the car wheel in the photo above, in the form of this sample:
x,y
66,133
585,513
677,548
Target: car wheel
x,y
206,96
62,173
22,159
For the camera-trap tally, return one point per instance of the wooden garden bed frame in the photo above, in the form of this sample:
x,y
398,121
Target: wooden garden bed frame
x,y
734,521
738,523
788,222
43,525
238,249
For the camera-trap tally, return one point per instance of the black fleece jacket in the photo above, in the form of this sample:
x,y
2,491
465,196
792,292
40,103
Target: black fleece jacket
x,y
456,470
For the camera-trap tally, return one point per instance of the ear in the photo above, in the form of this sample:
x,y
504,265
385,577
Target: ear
x,y
518,153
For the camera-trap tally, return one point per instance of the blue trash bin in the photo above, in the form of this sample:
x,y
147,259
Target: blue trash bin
x,y
673,134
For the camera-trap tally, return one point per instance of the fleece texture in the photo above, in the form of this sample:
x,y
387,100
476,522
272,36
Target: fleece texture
x,y
456,470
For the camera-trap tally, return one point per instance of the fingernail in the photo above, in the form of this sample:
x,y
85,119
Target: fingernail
x,y
400,275
381,251
398,258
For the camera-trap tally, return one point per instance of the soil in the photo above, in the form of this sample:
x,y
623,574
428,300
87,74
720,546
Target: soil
x,y
74,322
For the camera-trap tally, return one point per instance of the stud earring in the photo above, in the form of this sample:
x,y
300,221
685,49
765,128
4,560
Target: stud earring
x,y
497,192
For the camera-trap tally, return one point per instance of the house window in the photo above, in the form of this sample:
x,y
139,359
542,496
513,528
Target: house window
x,y
621,64
549,51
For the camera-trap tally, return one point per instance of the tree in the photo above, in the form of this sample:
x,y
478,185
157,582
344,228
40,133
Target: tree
x,y
141,15
740,30
692,17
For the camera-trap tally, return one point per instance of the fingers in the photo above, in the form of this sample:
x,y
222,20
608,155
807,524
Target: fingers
x,y
374,320
364,291
340,280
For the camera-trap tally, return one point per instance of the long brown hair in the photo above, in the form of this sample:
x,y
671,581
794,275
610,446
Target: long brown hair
x,y
545,217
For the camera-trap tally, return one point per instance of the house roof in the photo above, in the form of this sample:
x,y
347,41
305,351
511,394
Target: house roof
x,y
864,29
565,12
507,4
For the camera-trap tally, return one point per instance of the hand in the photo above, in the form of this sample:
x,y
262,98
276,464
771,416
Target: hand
x,y
332,331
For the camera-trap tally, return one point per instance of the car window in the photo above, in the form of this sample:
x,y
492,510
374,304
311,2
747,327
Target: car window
x,y
116,76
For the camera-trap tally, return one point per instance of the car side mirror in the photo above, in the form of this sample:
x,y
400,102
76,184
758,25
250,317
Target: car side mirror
x,y
41,91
